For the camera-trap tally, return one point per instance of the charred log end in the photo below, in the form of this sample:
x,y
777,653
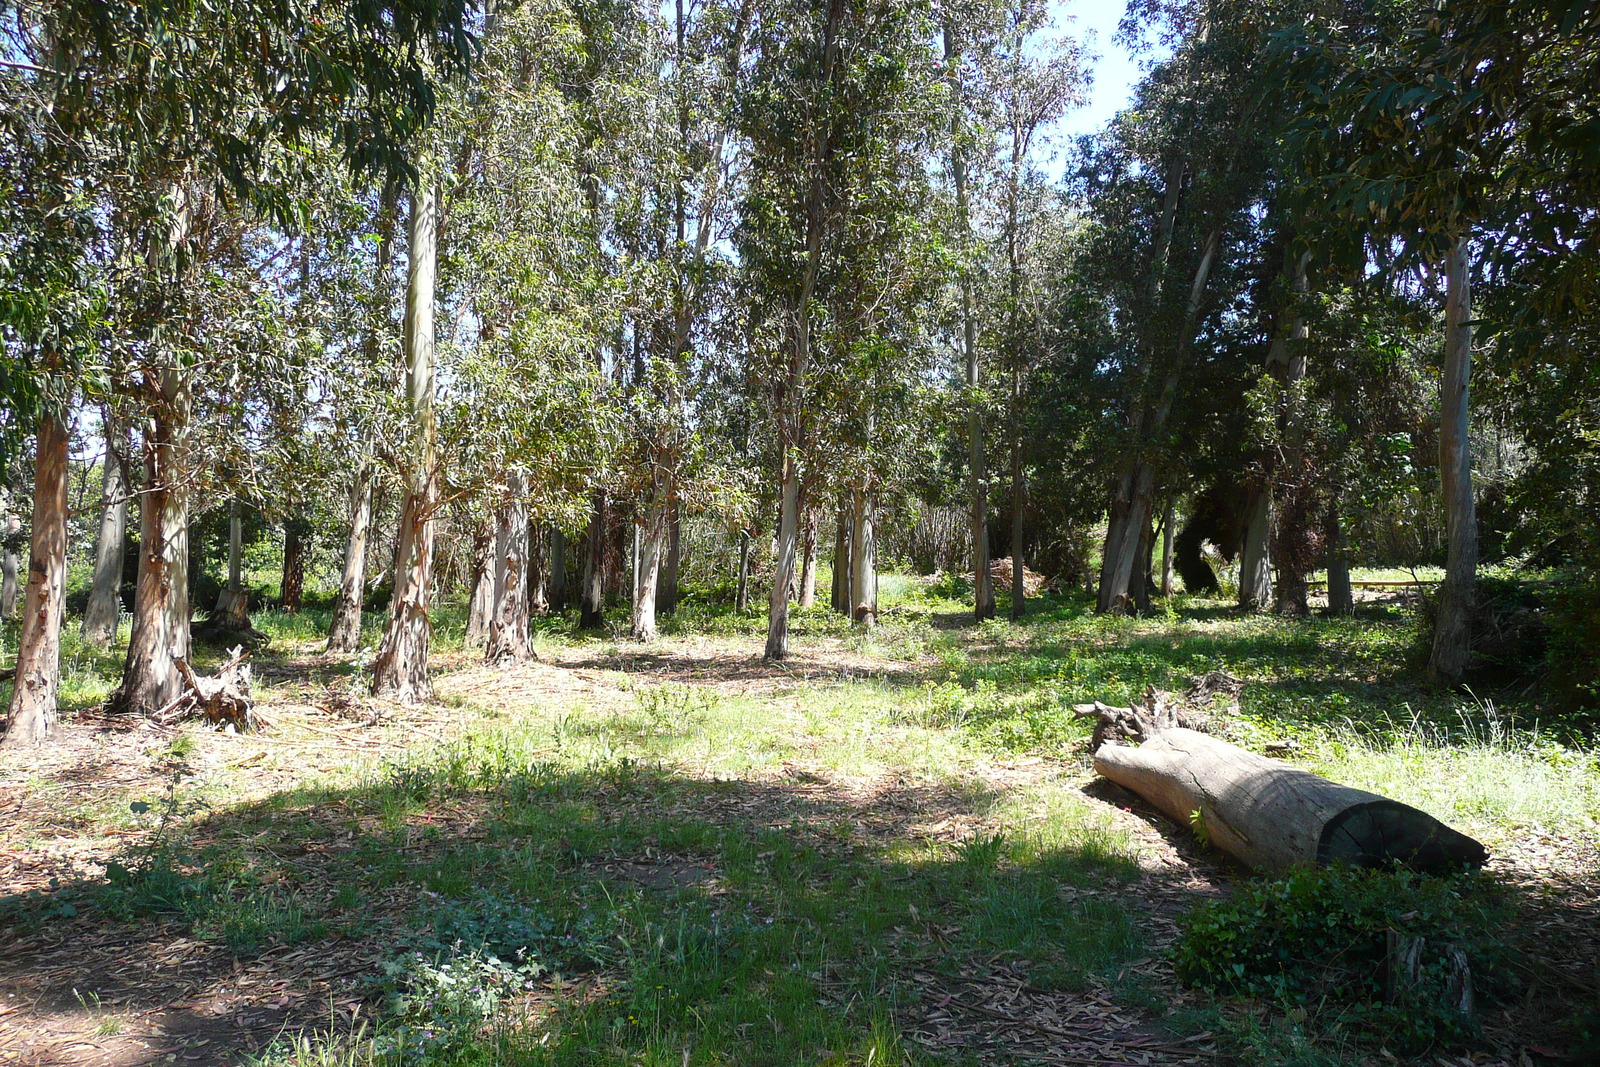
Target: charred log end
x,y
1383,832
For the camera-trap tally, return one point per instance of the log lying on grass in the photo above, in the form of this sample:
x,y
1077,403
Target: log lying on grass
x,y
1272,816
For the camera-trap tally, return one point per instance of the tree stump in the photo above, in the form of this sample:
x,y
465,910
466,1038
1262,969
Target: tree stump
x,y
223,701
1272,816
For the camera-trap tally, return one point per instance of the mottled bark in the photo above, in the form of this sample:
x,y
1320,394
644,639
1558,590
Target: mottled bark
x,y
1167,521
777,647
1452,632
33,696
10,533
400,669
508,622
668,591
480,593
104,609
160,637
863,562
650,541
344,635
292,587
808,561
1255,559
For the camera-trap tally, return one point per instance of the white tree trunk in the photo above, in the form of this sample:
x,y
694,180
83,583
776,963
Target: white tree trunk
x,y
9,529
863,562
400,670
650,540
33,698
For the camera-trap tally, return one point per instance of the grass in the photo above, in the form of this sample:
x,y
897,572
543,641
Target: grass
x,y
702,871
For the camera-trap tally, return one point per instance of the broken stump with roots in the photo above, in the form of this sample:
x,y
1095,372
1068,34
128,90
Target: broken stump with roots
x,y
222,701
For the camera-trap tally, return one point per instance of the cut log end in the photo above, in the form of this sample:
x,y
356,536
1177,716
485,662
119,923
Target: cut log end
x,y
1383,832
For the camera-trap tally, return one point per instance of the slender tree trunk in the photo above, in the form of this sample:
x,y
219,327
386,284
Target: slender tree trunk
x,y
10,534
783,566
508,618
863,562
33,697
1292,536
650,541
400,669
104,610
592,612
233,608
344,635
983,603
741,596
808,563
841,562
160,636
1019,502
558,570
480,597
1341,601
1133,499
1452,634
1167,521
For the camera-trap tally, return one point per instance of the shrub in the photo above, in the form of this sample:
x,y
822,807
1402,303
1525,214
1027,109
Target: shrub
x,y
1318,940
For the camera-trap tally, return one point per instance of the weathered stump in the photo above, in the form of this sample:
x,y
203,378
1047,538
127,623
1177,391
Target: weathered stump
x,y
223,701
1272,816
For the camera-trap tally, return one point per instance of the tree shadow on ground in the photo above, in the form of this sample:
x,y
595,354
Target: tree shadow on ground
x,y
763,921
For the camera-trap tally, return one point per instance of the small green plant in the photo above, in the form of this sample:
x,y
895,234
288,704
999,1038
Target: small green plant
x,y
1319,940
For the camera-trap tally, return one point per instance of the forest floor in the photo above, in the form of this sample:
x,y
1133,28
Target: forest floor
x,y
889,849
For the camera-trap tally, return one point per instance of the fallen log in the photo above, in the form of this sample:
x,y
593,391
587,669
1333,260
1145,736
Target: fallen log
x,y
1272,816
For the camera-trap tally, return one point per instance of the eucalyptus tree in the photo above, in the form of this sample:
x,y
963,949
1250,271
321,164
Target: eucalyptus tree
x,y
1172,190
1032,87
839,110
170,111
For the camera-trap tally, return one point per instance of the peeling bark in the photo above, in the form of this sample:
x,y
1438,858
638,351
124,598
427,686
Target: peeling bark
x,y
38,672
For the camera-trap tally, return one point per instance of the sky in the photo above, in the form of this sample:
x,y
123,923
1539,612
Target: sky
x,y
1115,72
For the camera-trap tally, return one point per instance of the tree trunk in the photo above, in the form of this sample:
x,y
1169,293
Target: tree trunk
x,y
291,590
741,596
863,563
10,534
841,563
1167,520
1132,500
650,541
344,635
1452,633
1272,816
480,596
1019,503
538,569
33,697
104,610
667,592
1340,599
233,605
558,570
160,637
508,617
591,615
400,669
1291,539
808,565
783,566
1139,583
1255,558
